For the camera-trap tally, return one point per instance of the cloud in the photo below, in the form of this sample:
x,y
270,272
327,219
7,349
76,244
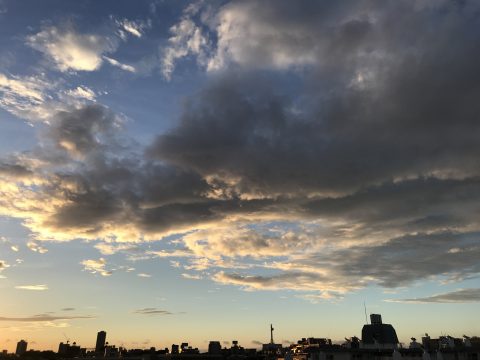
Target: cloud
x,y
457,296
82,92
26,97
12,246
15,171
38,98
32,287
288,280
246,34
96,267
36,247
173,253
187,38
110,249
300,40
143,275
191,276
68,309
70,50
135,28
152,311
44,318
361,171
3,265
120,65
87,139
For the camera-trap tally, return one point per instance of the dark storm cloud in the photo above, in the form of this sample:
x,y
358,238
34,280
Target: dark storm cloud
x,y
417,119
414,205
404,260
401,102
84,130
97,178
457,296
384,133
14,170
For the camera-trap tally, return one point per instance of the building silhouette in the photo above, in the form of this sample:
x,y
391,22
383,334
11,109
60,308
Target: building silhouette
x,y
100,344
69,350
21,348
379,335
214,348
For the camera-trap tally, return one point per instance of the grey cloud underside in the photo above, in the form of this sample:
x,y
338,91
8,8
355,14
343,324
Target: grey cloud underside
x,y
457,296
378,129
395,263
14,170
404,260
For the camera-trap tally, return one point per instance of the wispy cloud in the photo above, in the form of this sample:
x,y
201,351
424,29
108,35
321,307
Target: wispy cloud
x,y
97,267
41,287
37,247
132,27
152,311
187,38
83,92
118,64
26,97
457,296
44,318
12,246
192,276
144,275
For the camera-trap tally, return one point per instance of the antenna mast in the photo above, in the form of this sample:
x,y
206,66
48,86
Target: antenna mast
x,y
365,308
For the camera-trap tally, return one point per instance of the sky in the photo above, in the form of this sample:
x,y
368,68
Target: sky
x,y
178,171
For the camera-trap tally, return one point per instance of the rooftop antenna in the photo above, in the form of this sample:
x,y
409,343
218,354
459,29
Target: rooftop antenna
x,y
365,308
66,337
271,334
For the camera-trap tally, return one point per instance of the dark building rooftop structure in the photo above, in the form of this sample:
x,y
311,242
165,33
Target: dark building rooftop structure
x,y
21,347
100,344
379,334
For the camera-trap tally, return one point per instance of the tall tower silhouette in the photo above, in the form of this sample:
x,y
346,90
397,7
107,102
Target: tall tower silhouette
x,y
271,334
21,348
100,345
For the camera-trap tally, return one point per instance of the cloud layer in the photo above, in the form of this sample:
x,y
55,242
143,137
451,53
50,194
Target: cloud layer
x,y
457,296
333,148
